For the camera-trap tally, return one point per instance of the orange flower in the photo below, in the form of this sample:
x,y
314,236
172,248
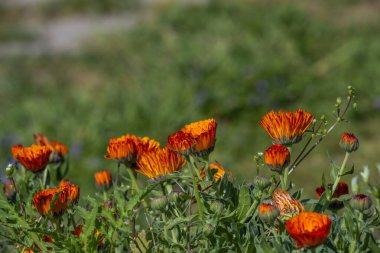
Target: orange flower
x,y
127,149
277,157
103,178
287,205
43,200
34,158
286,127
64,182
55,146
341,189
181,143
308,229
349,142
203,132
159,162
217,169
268,212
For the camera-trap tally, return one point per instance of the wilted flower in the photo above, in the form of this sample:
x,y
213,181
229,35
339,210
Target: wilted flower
x,y
341,189
159,162
103,178
360,202
286,127
34,158
308,229
43,200
59,150
216,168
277,157
349,142
268,212
127,149
287,205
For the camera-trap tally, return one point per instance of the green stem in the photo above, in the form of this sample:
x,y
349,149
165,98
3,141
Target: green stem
x,y
341,170
44,177
251,210
193,170
133,179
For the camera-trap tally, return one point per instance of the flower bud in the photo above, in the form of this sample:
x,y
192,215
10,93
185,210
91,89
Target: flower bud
x,y
10,169
208,229
174,196
268,212
360,202
277,157
349,142
216,206
159,203
262,182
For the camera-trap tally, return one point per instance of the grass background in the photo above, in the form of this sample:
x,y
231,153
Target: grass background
x,y
231,60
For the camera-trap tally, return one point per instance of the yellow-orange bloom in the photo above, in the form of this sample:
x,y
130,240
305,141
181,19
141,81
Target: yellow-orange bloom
x,y
127,149
277,157
55,146
34,158
159,162
308,229
287,205
286,127
203,133
103,178
217,169
43,200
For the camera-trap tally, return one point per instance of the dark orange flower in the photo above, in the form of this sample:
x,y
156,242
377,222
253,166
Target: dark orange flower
x,y
27,251
159,162
217,170
64,182
308,229
181,143
286,127
43,200
203,132
349,142
103,178
277,157
287,205
268,212
127,149
34,158
78,230
59,149
341,189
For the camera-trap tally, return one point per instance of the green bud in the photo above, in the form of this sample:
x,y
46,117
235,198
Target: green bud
x,y
262,182
208,229
159,203
338,101
10,170
268,212
360,202
354,105
216,207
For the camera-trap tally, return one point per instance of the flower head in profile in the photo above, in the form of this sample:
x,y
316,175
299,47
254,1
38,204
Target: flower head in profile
x,y
341,189
203,132
287,205
268,212
349,142
34,158
181,143
360,202
103,178
308,229
217,171
286,127
66,196
128,148
159,162
59,150
277,157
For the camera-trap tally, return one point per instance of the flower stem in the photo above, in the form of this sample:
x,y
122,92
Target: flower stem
x,y
251,210
284,179
340,172
133,179
195,186
44,177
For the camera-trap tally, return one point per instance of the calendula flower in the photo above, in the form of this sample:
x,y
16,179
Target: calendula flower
x,y
287,205
103,178
127,149
341,189
277,157
58,148
159,162
268,212
360,202
349,142
217,170
308,229
43,200
286,127
203,132
181,143
64,182
34,158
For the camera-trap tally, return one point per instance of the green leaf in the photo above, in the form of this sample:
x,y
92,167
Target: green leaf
x,y
349,172
244,202
180,220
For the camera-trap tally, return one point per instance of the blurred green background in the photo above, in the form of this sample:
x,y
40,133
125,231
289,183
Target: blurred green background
x,y
82,71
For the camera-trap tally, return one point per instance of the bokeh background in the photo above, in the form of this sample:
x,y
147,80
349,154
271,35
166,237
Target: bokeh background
x,y
82,71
